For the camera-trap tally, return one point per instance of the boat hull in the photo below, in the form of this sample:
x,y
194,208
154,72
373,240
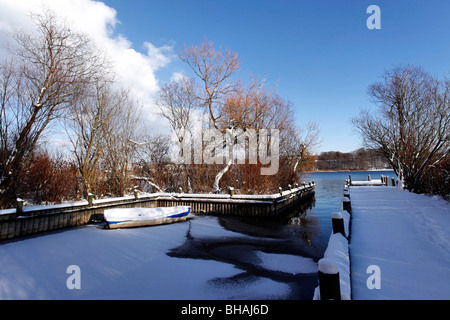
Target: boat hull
x,y
143,223
144,217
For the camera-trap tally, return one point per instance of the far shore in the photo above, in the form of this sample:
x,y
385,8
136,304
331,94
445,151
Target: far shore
x,y
348,170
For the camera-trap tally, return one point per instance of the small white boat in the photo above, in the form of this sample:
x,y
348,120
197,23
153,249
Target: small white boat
x,y
141,217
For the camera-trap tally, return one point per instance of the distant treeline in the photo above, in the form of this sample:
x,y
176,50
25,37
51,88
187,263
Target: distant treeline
x,y
360,159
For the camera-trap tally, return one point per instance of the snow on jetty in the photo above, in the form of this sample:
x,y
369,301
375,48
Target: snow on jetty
x,y
386,244
399,245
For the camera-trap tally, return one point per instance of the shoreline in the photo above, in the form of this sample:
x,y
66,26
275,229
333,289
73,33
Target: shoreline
x,y
346,170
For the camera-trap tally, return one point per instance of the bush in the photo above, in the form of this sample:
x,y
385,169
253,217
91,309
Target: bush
x,y
436,180
48,179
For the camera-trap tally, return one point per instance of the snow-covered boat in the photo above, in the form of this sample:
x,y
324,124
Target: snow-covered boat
x,y
141,217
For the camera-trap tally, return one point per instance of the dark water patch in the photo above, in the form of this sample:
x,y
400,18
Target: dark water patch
x,y
291,234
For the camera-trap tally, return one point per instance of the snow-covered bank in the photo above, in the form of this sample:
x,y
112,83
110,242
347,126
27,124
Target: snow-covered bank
x,y
407,236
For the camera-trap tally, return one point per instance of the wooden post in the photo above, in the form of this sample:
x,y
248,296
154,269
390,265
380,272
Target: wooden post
x,y
329,285
346,193
350,179
136,194
368,178
393,182
346,205
90,199
231,191
19,207
280,190
338,223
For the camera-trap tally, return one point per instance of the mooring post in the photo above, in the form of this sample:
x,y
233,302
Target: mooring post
x,y
350,179
346,205
338,223
346,193
19,206
329,285
368,178
90,199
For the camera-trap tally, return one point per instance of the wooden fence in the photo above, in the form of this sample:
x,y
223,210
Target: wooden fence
x,y
24,221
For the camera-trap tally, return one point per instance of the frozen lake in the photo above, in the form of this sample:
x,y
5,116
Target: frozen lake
x,y
207,257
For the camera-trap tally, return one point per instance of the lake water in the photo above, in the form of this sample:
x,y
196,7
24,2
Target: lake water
x,y
329,194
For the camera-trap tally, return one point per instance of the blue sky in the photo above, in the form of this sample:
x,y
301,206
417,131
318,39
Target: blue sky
x,y
320,53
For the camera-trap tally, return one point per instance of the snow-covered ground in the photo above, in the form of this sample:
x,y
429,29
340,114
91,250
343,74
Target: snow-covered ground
x,y
163,262
407,236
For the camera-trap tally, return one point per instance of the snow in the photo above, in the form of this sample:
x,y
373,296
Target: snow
x,y
407,236
346,216
327,266
46,207
287,263
336,215
404,234
337,251
368,183
240,198
401,235
138,214
36,268
336,259
134,264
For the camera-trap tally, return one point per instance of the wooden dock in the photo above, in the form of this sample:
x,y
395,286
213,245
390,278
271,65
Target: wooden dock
x,y
25,221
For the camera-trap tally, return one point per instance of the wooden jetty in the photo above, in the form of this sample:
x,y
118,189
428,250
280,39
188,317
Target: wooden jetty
x,y
24,221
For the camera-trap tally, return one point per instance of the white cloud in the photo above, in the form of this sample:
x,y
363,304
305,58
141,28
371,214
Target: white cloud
x,y
136,70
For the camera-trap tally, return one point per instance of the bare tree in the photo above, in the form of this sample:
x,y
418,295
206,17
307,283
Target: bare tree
x,y
52,67
256,107
153,159
177,103
300,146
412,123
121,143
88,126
214,68
237,111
